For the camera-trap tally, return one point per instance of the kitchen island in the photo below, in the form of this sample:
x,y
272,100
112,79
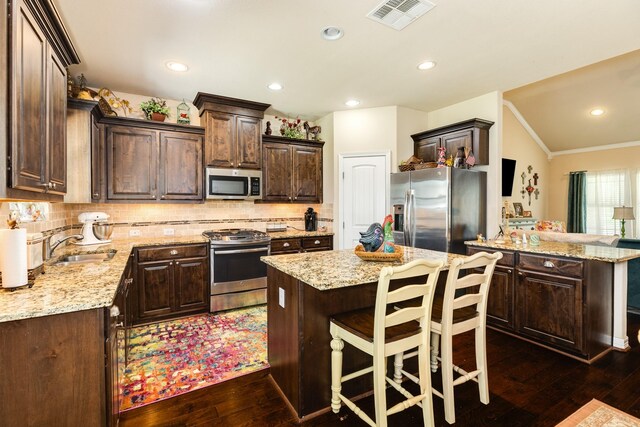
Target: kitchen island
x,y
304,290
570,297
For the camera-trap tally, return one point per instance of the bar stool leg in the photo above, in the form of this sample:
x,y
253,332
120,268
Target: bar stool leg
x,y
398,362
379,389
336,373
435,349
481,364
446,369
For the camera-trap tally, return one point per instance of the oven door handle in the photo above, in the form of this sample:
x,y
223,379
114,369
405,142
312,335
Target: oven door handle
x,y
241,251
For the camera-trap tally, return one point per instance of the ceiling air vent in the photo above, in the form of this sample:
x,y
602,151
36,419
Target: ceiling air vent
x,y
398,14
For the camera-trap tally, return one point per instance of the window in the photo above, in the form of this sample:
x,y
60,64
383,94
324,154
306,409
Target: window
x,y
606,190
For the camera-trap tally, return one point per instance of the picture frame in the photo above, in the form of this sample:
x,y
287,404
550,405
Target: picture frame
x,y
526,214
517,207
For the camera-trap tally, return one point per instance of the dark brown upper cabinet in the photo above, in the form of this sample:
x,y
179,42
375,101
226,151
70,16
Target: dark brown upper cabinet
x,y
472,134
232,131
291,170
141,160
36,48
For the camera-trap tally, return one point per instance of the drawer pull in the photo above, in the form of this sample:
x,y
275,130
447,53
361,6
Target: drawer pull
x,y
317,242
520,273
174,252
286,245
548,264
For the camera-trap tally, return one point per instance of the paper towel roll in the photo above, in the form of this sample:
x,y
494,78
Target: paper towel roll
x,y
13,257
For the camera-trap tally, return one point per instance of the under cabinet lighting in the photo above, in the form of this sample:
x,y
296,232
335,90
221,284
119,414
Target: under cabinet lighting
x,y
177,66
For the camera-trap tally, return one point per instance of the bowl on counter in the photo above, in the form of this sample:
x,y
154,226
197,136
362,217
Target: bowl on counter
x,y
102,230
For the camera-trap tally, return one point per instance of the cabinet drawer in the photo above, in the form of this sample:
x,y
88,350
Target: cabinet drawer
x,y
508,257
285,245
551,265
172,252
311,243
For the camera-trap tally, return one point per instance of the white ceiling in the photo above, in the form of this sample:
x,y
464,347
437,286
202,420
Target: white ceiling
x,y
558,108
236,47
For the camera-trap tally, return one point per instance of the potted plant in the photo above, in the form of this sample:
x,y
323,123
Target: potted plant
x,y
155,109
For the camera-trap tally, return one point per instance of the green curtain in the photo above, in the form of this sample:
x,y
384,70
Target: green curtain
x,y
577,212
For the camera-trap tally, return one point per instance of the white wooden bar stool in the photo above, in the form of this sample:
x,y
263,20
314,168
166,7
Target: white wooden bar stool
x,y
382,331
453,315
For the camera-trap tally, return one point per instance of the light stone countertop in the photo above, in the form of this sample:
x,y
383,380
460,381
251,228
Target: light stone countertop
x,y
65,289
326,270
291,234
571,250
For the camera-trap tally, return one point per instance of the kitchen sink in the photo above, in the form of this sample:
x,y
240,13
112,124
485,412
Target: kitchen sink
x,y
85,258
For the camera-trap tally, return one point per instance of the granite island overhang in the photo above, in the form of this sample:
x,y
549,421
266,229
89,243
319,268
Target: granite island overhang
x,y
304,290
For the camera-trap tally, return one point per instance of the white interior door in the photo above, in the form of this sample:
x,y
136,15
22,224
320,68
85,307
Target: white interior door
x,y
364,189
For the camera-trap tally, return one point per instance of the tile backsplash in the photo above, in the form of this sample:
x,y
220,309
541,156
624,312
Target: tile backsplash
x,y
181,219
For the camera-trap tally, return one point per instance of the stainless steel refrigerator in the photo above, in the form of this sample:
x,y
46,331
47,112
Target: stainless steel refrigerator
x,y
439,208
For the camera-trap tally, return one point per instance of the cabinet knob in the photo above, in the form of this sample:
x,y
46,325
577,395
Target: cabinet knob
x,y
239,164
548,264
120,325
295,198
45,185
53,184
520,273
317,242
174,252
96,195
509,271
177,262
289,197
286,245
171,263
163,197
153,196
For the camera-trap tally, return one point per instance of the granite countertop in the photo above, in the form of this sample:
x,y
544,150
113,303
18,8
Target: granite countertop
x,y
292,233
326,270
65,289
572,250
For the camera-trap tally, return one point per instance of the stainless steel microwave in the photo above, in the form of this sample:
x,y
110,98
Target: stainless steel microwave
x,y
233,184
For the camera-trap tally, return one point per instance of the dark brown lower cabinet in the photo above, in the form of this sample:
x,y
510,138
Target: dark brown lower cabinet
x,y
562,303
171,281
301,244
53,370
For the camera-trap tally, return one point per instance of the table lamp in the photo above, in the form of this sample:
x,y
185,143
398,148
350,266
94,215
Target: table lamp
x,y
623,213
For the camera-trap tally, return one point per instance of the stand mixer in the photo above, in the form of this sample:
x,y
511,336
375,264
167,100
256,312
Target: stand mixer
x,y
88,219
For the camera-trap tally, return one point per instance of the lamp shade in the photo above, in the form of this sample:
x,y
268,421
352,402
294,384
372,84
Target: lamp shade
x,y
623,213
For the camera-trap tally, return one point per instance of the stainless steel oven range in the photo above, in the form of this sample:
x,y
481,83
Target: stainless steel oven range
x,y
238,277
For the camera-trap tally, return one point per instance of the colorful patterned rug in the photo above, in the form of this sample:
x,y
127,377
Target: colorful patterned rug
x,y
170,358
598,414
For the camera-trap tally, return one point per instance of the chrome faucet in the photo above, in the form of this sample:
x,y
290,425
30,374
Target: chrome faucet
x,y
48,248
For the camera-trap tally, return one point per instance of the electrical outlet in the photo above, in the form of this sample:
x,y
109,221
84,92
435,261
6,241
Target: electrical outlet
x,y
281,297
168,231
134,233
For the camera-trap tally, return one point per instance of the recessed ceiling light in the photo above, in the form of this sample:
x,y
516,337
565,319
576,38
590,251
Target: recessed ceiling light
x,y
426,65
597,112
177,66
275,86
332,33
352,103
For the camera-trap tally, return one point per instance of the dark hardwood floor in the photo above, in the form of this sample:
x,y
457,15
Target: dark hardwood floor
x,y
529,385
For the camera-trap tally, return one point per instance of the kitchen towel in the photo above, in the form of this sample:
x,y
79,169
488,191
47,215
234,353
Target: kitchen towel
x,y
13,257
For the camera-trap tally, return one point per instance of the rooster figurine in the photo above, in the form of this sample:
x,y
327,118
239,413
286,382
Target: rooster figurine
x,y
372,238
388,235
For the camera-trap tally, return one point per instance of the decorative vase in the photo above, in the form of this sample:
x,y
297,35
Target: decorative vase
x,y
158,117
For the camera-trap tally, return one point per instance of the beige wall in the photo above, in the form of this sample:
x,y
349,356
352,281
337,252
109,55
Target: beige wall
x,y
488,107
517,144
409,121
560,166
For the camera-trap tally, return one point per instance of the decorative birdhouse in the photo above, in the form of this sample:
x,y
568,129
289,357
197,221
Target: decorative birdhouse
x,y
183,113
